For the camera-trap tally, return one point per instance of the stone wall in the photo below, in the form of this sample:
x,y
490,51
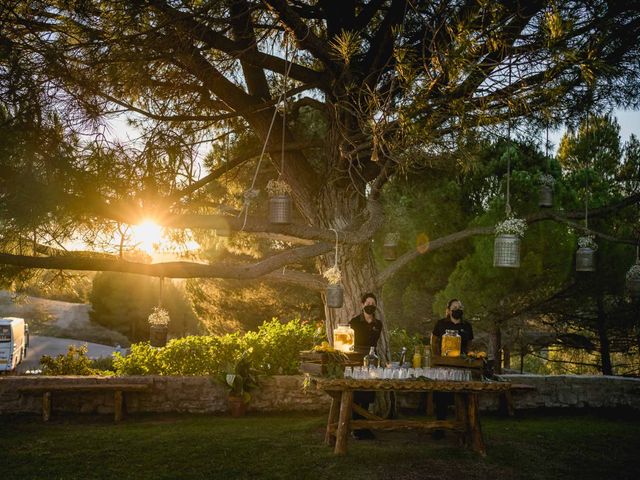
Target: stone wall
x,y
285,393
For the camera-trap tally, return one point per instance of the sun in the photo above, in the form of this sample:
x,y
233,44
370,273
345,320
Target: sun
x,y
148,236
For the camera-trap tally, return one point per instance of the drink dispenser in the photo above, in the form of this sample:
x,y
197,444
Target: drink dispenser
x,y
344,338
451,343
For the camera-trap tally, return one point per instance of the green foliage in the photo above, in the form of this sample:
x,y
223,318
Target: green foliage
x,y
240,376
399,337
276,345
273,349
74,362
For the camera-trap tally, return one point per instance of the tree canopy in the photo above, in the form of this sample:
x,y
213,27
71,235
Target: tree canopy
x,y
342,97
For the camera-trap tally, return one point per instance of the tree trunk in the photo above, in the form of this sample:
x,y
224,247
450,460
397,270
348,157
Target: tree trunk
x,y
495,345
605,351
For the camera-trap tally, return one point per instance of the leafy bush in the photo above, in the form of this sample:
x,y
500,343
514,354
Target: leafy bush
x,y
74,362
276,345
273,350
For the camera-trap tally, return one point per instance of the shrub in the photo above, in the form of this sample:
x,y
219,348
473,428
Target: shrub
x,y
276,345
274,350
74,362
142,360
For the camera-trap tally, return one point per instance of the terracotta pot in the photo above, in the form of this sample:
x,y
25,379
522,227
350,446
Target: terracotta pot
x,y
237,406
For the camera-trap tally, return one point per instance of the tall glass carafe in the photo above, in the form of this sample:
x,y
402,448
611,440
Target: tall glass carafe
x,y
371,360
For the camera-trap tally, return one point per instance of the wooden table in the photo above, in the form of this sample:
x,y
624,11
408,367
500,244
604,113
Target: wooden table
x,y
466,423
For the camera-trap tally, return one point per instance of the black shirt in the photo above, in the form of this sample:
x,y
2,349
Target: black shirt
x,y
367,334
463,328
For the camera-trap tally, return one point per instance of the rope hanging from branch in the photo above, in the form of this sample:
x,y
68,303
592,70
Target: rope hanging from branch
x,y
250,194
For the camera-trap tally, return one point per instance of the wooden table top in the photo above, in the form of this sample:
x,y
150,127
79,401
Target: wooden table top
x,y
332,384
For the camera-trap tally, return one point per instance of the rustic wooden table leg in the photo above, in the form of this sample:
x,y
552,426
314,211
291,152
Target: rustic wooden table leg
x,y
461,418
334,410
117,405
429,404
477,443
46,406
344,420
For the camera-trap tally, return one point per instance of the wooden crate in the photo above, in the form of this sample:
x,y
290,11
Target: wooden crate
x,y
316,363
460,362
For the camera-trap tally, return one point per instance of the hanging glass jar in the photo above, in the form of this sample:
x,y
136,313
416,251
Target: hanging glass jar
x,y
632,281
390,246
279,202
335,296
280,209
545,193
506,246
586,254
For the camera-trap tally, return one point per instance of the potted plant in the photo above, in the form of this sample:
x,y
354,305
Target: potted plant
x,y
632,280
390,246
279,201
158,327
240,377
546,182
334,290
586,254
506,246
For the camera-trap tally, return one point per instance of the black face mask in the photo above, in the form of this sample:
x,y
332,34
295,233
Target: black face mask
x,y
457,314
370,309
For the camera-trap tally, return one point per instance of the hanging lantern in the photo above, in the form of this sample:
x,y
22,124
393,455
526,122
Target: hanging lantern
x,y
586,254
545,196
506,251
632,281
506,246
335,296
390,247
280,209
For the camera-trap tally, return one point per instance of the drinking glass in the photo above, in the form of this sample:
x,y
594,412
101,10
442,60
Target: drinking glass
x,y
348,372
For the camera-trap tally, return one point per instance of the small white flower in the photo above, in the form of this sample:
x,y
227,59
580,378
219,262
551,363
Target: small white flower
x,y
546,179
588,241
159,317
634,273
333,275
512,226
278,188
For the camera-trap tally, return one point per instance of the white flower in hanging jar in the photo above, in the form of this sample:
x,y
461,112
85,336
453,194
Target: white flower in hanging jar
x,y
334,291
588,241
333,275
506,246
279,201
512,226
278,188
546,180
632,280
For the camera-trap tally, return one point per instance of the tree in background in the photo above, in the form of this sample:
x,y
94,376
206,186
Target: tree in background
x,y
123,303
390,84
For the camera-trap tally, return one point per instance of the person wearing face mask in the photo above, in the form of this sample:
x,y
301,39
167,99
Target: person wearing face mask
x,y
367,329
453,321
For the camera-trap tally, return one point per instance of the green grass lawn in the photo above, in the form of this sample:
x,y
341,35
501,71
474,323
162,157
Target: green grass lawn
x,y
290,446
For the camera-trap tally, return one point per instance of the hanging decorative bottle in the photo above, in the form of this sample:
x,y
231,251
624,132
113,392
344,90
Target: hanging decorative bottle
x,y
506,246
586,254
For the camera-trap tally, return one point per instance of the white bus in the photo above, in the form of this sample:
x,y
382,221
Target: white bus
x,y
14,341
